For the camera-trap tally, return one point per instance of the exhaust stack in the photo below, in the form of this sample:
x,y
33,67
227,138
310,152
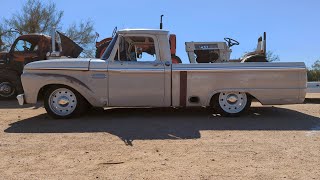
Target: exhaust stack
x,y
53,40
53,54
161,21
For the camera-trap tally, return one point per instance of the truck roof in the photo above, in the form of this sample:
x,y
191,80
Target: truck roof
x,y
34,35
143,31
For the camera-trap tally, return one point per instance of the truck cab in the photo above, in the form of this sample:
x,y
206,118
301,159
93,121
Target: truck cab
x,y
136,59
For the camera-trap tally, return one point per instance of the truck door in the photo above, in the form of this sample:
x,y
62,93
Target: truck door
x,y
136,76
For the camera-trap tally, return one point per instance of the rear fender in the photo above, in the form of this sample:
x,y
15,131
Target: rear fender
x,y
265,96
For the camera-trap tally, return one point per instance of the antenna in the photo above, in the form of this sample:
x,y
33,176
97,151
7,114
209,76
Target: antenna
x,y
161,21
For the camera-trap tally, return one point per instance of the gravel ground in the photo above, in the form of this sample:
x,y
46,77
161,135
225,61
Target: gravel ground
x,y
270,142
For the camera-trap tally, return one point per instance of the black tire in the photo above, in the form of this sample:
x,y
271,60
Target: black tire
x,y
7,89
217,104
12,80
80,108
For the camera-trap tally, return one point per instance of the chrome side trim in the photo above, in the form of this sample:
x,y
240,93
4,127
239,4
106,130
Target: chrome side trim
x,y
219,69
136,70
99,69
61,68
98,76
70,78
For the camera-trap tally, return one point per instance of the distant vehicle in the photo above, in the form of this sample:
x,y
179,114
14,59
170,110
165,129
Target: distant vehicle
x,y
29,48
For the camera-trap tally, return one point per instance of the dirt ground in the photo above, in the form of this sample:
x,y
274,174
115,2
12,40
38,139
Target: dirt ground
x,y
280,142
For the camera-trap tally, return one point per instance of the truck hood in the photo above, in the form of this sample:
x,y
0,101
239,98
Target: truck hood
x,y
81,64
69,47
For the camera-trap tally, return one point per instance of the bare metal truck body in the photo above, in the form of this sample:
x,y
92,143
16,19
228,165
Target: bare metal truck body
x,y
136,71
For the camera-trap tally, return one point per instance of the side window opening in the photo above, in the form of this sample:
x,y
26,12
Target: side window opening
x,y
25,46
116,58
136,48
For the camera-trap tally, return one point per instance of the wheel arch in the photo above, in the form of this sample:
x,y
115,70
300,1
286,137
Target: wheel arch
x,y
46,87
215,94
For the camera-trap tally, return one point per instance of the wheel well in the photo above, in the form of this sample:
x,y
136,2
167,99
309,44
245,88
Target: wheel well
x,y
215,96
43,90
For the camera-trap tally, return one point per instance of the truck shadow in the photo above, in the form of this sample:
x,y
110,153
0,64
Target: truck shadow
x,y
312,101
143,124
13,104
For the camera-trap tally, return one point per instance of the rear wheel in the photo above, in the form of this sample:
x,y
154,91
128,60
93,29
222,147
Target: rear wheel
x,y
64,102
231,103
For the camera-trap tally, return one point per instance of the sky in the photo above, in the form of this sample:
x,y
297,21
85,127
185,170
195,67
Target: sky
x,y
292,26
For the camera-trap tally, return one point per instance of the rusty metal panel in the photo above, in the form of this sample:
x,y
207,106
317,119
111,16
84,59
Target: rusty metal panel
x,y
69,47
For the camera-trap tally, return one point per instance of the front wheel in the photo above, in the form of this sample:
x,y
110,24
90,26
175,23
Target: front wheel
x,y
64,102
7,89
231,103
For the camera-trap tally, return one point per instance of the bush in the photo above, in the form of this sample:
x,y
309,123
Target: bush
x,y
313,75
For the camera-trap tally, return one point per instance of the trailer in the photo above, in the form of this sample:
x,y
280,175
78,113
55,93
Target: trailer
x,y
313,87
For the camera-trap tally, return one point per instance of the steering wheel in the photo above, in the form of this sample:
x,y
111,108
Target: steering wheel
x,y
26,48
231,42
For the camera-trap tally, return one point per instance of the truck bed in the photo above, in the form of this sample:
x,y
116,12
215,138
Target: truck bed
x,y
269,83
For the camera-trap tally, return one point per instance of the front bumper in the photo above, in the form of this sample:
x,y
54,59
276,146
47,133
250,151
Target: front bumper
x,y
20,98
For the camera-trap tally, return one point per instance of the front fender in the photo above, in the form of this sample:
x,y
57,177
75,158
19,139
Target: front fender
x,y
33,82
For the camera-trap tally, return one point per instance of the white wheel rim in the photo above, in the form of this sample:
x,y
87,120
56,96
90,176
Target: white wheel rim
x,y
62,101
6,89
233,102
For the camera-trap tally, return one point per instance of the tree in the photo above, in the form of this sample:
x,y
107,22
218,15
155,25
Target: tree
x,y
39,17
271,57
83,35
314,71
36,17
316,65
2,48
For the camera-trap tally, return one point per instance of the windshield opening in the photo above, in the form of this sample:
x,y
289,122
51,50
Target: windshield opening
x,y
107,53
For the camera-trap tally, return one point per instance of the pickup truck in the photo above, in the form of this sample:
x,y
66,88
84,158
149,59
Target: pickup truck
x,y
136,71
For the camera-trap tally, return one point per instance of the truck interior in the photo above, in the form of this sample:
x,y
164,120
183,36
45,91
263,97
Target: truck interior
x,y
142,47
134,48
